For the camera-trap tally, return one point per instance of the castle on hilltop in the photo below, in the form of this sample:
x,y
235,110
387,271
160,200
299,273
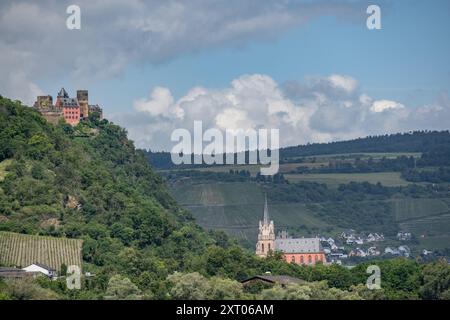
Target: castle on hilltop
x,y
72,110
306,251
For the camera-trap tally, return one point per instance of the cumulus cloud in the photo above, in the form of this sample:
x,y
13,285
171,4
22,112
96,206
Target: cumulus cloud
x,y
344,82
318,109
382,105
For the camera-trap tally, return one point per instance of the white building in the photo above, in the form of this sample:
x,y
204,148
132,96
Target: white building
x,y
404,236
42,268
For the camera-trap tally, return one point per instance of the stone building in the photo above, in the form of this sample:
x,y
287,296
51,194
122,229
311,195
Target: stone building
x,y
72,110
83,100
266,235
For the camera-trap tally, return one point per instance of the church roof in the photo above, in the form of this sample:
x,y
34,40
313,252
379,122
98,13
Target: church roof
x,y
298,245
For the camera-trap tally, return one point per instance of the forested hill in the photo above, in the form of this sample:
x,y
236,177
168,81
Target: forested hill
x,y
417,141
434,142
89,182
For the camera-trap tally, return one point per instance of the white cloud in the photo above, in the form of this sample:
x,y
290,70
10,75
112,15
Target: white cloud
x,y
344,82
160,103
311,111
382,105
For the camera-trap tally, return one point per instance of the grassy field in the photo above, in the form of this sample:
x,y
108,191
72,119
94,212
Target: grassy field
x,y
335,179
21,250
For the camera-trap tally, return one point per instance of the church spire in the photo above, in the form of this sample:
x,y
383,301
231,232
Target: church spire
x,y
266,211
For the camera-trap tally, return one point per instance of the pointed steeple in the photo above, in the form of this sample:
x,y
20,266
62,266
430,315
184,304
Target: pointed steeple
x,y
266,211
62,93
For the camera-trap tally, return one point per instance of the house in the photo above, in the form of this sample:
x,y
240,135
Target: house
x,y
373,251
393,251
404,236
272,280
42,268
404,251
350,239
357,253
374,237
338,255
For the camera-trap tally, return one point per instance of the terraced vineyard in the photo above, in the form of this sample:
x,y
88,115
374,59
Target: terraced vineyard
x,y
21,250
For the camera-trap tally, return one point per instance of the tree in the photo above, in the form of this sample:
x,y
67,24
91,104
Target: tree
x,y
435,279
225,289
189,286
63,269
121,288
307,291
28,289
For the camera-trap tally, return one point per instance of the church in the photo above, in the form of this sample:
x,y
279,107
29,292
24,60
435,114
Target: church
x,y
306,251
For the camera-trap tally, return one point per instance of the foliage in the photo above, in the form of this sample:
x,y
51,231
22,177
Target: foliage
x,y
121,288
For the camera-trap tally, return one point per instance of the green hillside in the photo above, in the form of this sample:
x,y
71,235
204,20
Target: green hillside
x,y
62,186
369,189
236,208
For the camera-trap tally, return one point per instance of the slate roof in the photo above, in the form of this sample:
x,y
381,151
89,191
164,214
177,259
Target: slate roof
x,y
298,245
63,93
69,102
274,279
44,266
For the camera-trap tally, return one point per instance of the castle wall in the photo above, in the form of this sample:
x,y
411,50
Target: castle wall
x,y
310,258
52,116
72,115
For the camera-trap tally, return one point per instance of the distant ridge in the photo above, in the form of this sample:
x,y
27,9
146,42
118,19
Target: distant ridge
x,y
415,141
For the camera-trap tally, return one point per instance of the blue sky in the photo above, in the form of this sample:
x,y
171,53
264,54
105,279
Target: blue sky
x,y
142,60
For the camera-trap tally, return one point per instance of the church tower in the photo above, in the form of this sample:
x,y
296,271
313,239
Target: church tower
x,y
266,236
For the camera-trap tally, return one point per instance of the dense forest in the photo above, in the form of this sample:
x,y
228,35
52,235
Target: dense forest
x,y
89,182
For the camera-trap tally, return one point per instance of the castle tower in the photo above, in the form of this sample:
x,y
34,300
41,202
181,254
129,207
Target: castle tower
x,y
266,236
83,101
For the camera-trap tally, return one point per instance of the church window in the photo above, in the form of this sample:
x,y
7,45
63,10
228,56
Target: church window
x,y
302,260
262,247
309,259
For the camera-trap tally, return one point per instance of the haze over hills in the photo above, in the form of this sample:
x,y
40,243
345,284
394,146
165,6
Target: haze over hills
x,y
383,184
